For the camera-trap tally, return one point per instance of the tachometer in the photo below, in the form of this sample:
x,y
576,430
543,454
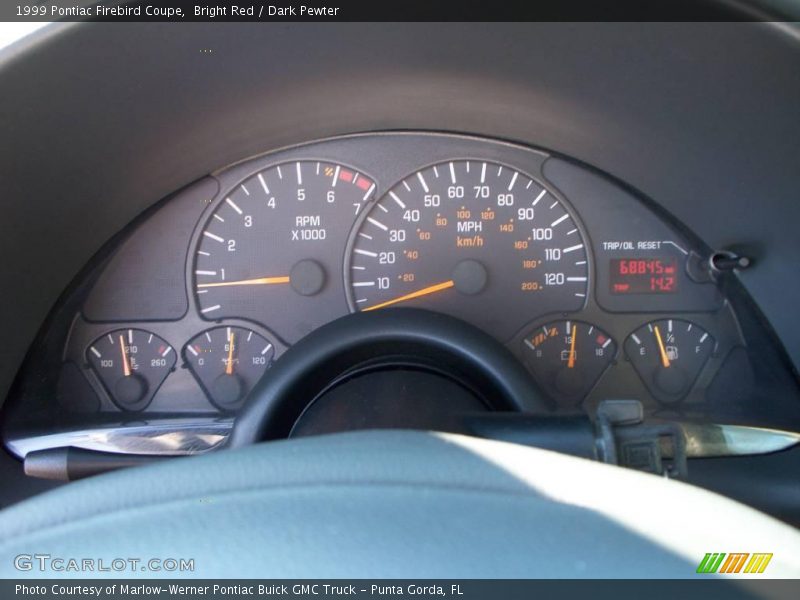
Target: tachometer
x,y
478,240
273,242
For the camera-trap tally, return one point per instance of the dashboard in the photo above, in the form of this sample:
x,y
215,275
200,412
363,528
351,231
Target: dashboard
x,y
596,291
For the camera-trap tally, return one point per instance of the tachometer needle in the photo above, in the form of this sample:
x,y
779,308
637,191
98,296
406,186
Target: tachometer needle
x,y
431,289
661,349
126,367
259,281
571,361
229,365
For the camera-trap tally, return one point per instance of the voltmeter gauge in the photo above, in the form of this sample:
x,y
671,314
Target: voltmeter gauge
x,y
568,357
228,362
131,364
669,355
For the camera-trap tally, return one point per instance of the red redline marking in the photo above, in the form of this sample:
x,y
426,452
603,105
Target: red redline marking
x,y
364,183
345,175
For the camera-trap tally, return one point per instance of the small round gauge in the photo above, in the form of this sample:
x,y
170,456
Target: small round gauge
x,y
131,364
228,362
668,355
568,357
461,236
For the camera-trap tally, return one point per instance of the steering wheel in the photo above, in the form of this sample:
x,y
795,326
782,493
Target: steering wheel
x,y
388,504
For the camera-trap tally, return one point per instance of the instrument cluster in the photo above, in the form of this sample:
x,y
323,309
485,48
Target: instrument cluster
x,y
595,291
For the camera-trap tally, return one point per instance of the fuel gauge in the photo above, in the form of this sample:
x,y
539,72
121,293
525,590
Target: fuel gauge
x,y
668,355
568,357
228,362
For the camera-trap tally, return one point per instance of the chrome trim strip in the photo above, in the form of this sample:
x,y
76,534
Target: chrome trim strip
x,y
169,437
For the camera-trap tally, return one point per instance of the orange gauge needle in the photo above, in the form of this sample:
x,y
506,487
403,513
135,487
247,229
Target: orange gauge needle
x,y
259,281
571,361
431,289
229,365
126,367
661,349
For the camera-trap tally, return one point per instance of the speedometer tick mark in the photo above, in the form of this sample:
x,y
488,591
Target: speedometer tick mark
x,y
554,204
377,223
513,181
452,174
218,218
539,197
365,252
572,248
559,220
483,173
422,181
364,235
244,189
400,203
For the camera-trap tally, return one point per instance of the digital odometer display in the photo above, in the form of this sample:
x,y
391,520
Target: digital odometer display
x,y
652,275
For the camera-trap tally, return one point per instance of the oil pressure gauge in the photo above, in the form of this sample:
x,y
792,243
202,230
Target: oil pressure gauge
x,y
668,355
568,357
131,364
228,362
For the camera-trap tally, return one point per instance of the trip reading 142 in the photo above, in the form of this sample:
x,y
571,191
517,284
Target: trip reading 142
x,y
653,275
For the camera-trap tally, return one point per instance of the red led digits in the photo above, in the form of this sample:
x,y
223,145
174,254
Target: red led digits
x,y
652,275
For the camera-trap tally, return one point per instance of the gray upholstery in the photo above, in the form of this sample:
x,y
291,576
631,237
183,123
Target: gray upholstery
x,y
393,504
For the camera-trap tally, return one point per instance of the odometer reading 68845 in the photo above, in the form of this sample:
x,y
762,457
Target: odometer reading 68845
x,y
478,240
652,275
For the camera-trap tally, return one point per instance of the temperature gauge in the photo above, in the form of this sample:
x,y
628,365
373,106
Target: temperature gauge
x,y
669,355
568,357
228,362
132,364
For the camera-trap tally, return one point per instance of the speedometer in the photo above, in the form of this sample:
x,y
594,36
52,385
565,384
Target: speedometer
x,y
478,240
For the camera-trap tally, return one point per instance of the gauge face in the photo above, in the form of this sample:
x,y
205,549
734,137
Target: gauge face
x,y
228,362
669,355
131,364
274,242
477,240
568,357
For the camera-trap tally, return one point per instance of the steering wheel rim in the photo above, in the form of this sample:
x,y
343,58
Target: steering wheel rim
x,y
307,368
393,504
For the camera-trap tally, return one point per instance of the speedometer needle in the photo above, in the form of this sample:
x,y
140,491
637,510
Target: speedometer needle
x,y
259,281
431,289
